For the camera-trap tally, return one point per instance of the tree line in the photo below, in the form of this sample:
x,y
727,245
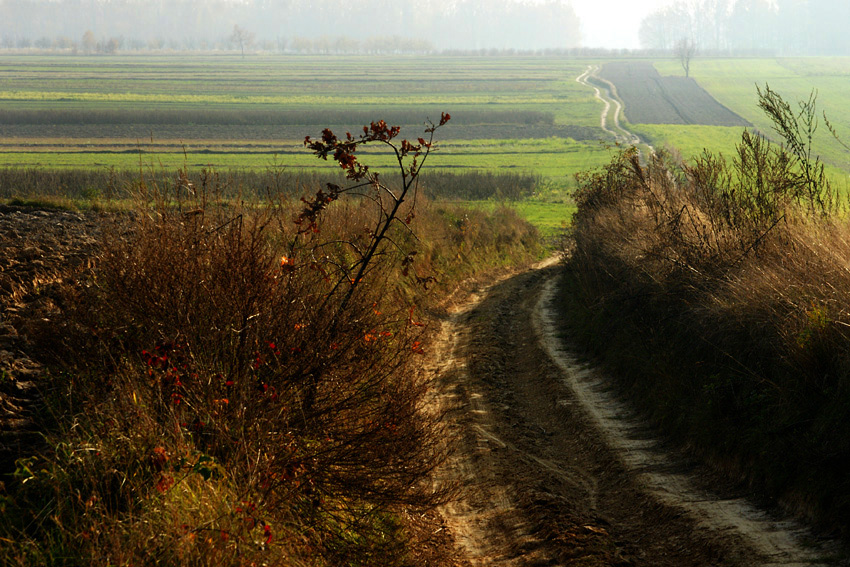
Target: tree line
x,y
759,27
288,25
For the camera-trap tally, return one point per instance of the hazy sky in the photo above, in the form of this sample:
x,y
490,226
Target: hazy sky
x,y
613,23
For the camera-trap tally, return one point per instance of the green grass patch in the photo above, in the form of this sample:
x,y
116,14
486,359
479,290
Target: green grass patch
x,y
551,218
690,140
557,159
733,83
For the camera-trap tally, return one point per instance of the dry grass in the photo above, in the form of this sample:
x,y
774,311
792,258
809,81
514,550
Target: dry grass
x,y
718,294
111,188
226,395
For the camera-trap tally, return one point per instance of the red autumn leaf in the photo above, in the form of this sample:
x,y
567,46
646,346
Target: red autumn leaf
x,y
165,482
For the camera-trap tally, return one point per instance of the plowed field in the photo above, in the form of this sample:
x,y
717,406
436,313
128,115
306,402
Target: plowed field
x,y
650,98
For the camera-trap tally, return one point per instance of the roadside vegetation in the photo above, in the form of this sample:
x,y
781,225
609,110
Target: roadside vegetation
x,y
238,379
715,291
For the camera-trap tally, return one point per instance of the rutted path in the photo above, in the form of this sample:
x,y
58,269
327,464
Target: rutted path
x,y
622,135
552,468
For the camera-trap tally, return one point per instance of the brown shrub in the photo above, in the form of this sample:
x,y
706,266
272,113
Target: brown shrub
x,y
718,293
218,405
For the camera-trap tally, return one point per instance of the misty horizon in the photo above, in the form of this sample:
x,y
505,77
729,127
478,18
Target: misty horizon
x,y
779,27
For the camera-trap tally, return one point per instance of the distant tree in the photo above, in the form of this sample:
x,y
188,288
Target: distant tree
x,y
301,44
111,45
43,42
685,50
704,21
64,42
241,38
137,44
794,26
753,26
89,42
345,44
710,19
660,29
653,31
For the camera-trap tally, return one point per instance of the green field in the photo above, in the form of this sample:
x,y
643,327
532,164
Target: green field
x,y
510,114
513,114
733,83
552,158
379,83
550,217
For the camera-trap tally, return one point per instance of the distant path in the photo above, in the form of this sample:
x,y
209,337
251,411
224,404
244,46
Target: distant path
x,y
622,135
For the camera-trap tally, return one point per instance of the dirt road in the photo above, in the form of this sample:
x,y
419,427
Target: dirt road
x,y
554,470
606,96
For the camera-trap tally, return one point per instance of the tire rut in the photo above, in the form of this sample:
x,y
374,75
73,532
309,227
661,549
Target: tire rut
x,y
621,134
545,480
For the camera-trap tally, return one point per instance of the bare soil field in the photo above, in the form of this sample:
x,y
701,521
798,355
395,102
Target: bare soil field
x,y
650,98
134,134
38,250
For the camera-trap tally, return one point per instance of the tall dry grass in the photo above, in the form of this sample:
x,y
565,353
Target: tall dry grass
x,y
225,394
111,188
717,293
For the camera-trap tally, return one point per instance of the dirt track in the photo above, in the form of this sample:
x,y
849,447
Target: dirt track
x,y
606,96
552,469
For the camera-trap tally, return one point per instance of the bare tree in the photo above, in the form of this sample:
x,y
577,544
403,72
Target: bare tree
x,y
89,42
241,37
685,50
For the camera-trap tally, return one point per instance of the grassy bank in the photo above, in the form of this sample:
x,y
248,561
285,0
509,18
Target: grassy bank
x,y
716,294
